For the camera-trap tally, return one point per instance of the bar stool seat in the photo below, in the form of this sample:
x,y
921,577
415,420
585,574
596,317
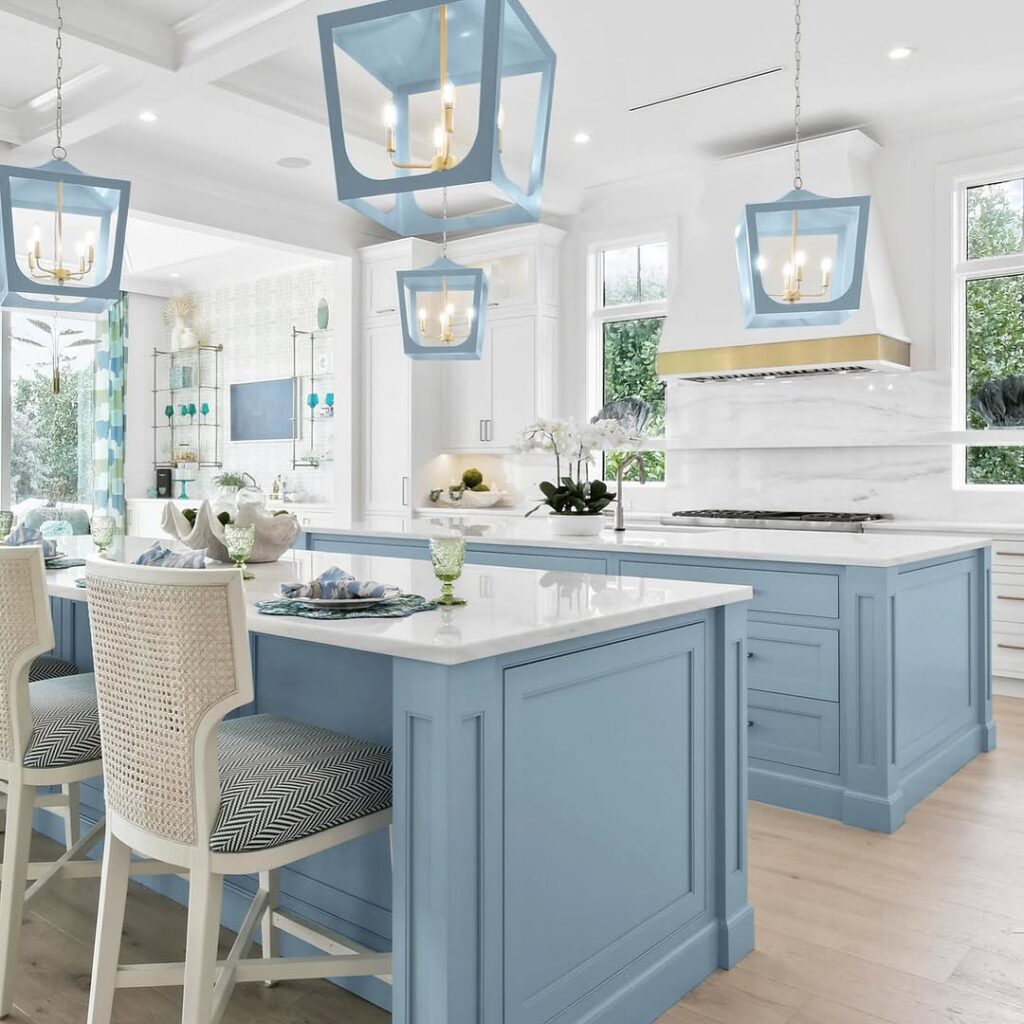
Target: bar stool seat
x,y
65,722
48,667
282,780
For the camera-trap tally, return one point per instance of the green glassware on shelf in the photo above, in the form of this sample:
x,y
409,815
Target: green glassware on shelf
x,y
169,413
192,412
205,410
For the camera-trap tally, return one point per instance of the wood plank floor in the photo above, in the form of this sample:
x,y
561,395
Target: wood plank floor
x,y
923,927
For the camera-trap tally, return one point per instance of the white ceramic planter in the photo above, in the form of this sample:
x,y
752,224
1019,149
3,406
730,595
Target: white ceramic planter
x,y
574,525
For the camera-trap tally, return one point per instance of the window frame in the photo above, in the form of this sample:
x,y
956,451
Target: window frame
x,y
963,271
598,315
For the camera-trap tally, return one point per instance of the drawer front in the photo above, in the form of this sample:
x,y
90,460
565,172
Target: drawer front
x,y
1007,601
524,560
1007,651
784,593
796,660
1008,555
793,730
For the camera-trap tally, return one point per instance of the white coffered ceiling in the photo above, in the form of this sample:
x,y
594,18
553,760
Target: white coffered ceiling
x,y
235,84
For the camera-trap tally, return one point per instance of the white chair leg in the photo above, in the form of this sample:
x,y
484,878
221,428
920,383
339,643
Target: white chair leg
x,y
72,814
270,883
204,899
20,804
109,926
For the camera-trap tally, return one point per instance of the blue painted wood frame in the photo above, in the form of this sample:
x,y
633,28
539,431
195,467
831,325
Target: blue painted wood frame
x,y
530,789
914,698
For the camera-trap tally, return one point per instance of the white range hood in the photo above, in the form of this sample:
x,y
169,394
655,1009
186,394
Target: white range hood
x,y
705,338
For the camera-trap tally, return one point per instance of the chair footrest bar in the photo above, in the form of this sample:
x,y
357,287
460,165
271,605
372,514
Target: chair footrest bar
x,y
322,938
276,969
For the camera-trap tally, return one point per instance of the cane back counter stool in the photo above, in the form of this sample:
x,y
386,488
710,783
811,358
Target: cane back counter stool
x,y
49,736
245,796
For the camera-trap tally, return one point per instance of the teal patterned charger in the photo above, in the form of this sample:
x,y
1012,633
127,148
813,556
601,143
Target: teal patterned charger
x,y
400,608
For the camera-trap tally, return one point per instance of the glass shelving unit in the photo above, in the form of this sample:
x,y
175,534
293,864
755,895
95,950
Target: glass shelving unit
x,y
316,419
202,432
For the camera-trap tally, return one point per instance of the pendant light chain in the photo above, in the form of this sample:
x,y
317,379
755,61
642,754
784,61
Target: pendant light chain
x,y
798,181
59,152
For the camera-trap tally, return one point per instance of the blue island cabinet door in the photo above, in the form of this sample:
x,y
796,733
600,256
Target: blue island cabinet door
x,y
605,822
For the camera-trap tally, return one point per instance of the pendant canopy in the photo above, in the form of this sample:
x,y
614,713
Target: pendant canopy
x,y
801,259
443,309
465,91
62,235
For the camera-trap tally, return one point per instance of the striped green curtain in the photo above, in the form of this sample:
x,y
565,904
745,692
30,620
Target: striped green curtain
x,y
111,377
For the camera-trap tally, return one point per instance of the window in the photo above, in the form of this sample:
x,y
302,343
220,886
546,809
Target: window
x,y
628,314
52,431
990,285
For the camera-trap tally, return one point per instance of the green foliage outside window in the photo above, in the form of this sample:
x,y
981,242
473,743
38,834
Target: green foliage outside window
x,y
48,458
630,349
995,318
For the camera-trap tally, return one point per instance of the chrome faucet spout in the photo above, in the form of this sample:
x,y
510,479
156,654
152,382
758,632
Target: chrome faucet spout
x,y
636,458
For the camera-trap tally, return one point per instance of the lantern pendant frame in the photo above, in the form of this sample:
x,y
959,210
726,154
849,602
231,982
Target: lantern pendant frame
x,y
482,164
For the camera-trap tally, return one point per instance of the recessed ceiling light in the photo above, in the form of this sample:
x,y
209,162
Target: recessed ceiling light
x,y
581,138
901,52
294,163
175,274
148,116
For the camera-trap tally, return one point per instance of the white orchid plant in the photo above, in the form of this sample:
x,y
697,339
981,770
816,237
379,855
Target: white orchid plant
x,y
574,445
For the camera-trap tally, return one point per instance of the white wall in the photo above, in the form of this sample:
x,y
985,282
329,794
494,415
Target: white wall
x,y
146,331
852,428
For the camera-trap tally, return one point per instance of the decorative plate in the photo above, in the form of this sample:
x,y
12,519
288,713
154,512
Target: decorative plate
x,y
353,603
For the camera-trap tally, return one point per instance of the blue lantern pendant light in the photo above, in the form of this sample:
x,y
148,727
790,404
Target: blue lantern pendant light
x,y
801,259
61,231
429,63
443,308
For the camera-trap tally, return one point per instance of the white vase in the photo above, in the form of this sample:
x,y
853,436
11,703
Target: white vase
x,y
574,525
177,335
188,339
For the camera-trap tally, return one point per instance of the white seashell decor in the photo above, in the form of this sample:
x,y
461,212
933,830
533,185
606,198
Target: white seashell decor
x,y
274,534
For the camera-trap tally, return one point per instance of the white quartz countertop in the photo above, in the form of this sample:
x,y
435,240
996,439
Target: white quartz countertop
x,y
807,546
946,526
508,609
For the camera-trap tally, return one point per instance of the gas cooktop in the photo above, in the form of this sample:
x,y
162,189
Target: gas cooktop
x,y
848,522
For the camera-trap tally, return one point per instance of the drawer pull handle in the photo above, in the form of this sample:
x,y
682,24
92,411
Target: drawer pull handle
x,y
1011,554
750,654
1011,647
750,722
1009,597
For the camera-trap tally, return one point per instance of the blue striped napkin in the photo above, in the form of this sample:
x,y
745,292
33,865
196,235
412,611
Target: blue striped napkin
x,y
24,535
337,585
165,558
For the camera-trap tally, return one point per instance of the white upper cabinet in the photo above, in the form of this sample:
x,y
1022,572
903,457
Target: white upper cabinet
x,y
380,267
386,393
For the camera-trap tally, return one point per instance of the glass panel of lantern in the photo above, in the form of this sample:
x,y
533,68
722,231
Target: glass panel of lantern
x,y
801,259
62,234
461,93
443,309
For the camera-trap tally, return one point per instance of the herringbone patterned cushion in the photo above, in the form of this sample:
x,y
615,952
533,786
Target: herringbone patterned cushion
x,y
283,780
65,722
50,668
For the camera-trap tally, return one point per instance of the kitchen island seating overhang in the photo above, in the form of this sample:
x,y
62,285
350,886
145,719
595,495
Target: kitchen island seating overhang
x,y
538,872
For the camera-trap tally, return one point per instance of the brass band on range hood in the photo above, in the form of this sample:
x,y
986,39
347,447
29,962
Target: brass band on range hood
x,y
780,355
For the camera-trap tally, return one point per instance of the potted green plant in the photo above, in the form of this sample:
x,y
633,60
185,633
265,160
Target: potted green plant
x,y
576,503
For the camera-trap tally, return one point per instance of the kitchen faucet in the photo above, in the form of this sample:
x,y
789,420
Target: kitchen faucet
x,y
638,458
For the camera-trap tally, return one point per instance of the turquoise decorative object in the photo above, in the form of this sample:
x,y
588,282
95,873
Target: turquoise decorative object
x,y
443,309
204,409
801,259
323,315
459,59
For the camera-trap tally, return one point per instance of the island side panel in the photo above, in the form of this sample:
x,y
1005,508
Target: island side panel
x,y
572,827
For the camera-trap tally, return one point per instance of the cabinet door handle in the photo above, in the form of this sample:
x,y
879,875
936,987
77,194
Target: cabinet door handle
x,y
389,309
480,429
405,491
750,723
750,654
490,432
1008,597
1011,647
1011,554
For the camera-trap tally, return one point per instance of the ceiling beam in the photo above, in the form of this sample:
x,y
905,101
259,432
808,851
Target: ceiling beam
x,y
105,23
10,126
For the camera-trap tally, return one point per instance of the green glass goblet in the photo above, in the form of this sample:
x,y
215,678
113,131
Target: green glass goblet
x,y
239,541
448,554
102,529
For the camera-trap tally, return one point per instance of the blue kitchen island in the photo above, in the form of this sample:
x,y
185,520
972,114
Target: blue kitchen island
x,y
569,794
869,654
